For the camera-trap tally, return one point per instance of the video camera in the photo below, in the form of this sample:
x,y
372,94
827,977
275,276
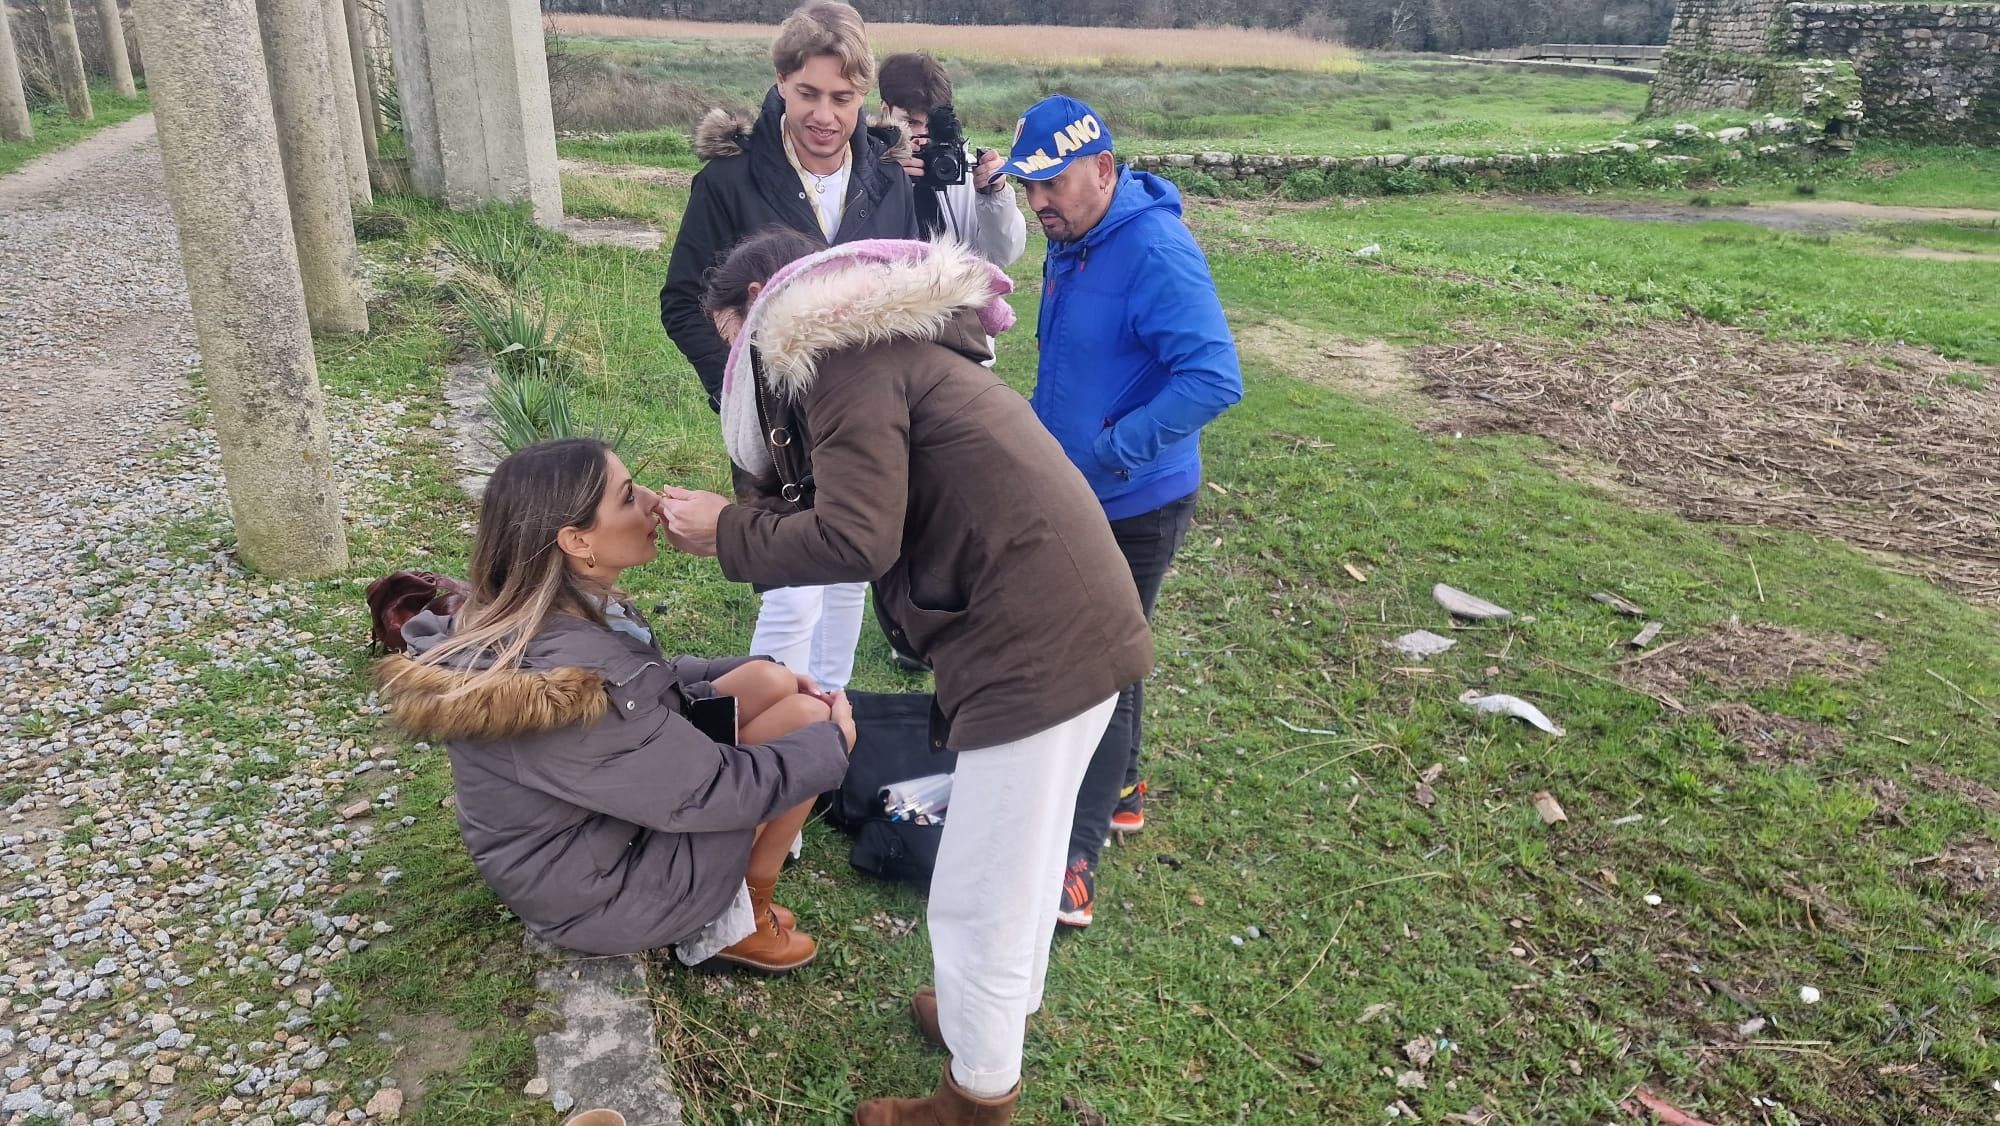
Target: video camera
x,y
943,156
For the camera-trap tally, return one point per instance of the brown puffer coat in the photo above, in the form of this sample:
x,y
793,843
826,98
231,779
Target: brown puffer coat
x,y
933,480
590,805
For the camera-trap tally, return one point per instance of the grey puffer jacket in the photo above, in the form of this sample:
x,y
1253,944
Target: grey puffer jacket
x,y
590,804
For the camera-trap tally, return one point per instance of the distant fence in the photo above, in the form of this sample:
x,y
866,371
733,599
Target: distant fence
x,y
1646,55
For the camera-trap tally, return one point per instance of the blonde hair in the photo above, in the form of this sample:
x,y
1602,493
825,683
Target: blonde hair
x,y
825,27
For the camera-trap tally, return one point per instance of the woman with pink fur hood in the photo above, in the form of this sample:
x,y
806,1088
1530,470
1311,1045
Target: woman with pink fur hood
x,y
882,451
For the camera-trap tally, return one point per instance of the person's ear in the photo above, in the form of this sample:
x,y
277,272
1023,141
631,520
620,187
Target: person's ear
x,y
1107,169
750,293
575,543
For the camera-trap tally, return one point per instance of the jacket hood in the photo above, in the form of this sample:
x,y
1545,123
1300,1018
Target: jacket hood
x,y
432,701
724,133
561,681
1137,193
852,295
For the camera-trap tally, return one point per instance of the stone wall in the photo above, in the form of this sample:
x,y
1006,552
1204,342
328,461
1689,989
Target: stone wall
x,y
1620,161
1924,71
1927,71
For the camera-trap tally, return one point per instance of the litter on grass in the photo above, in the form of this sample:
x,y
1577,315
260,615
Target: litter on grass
x,y
1470,607
1420,644
1509,706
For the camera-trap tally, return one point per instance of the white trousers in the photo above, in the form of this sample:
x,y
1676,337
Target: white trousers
x,y
813,630
995,891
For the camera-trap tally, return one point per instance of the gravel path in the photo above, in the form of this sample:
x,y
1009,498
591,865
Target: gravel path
x,y
169,855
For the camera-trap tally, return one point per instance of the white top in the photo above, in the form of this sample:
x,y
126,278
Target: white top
x,y
828,193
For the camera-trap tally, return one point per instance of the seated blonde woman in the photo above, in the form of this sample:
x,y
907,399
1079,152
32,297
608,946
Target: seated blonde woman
x,y
591,805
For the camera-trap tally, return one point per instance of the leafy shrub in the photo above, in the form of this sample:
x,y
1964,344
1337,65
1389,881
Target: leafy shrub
x,y
524,343
1305,184
503,244
1381,123
1405,181
1193,181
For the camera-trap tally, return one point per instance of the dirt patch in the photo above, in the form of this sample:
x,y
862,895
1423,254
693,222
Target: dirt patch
x,y
1979,794
1774,738
1890,801
628,233
1745,658
427,1046
1366,369
1932,255
1780,215
1891,449
644,173
1970,869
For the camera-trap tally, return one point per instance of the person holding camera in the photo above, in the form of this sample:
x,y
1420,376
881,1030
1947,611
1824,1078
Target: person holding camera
x,y
965,199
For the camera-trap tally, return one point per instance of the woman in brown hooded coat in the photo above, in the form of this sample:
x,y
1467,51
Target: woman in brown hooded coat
x,y
855,392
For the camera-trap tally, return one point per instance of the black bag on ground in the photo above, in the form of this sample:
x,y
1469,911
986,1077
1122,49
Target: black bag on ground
x,y
892,744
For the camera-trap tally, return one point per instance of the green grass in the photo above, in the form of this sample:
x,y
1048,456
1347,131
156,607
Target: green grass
x,y
1967,237
54,130
1892,172
1432,106
1530,949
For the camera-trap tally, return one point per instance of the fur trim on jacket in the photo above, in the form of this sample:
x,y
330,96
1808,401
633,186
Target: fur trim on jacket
x,y
724,133
850,296
428,702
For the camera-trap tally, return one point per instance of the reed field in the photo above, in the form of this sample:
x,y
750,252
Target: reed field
x,y
1027,43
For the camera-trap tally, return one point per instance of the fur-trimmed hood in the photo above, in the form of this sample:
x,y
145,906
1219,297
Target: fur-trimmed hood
x,y
849,296
724,132
428,701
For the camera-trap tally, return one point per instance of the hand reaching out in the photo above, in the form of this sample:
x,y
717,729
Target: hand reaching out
x,y
691,517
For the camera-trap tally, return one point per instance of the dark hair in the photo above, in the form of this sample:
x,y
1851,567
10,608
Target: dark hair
x,y
519,576
913,82
754,261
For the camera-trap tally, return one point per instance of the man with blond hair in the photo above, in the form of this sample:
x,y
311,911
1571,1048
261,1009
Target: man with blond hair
x,y
804,162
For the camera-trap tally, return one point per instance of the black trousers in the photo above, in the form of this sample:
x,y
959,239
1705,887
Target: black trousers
x,y
1149,541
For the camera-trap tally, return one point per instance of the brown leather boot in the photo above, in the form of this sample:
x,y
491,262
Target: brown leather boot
x,y
923,1010
949,1105
786,919
771,948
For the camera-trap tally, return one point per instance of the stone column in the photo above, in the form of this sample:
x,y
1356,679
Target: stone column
x,y
308,125
483,82
218,142
410,54
340,69
365,95
15,124
68,61
120,63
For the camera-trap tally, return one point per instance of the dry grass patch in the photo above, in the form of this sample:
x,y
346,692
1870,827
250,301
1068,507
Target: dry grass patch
x,y
1028,43
1374,370
1774,738
1735,657
1892,449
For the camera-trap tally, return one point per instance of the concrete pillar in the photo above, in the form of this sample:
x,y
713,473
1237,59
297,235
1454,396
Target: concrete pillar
x,y
482,78
340,69
15,124
365,96
68,61
225,180
120,63
316,182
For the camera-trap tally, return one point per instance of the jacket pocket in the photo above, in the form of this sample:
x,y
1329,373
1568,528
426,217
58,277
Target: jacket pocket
x,y
914,626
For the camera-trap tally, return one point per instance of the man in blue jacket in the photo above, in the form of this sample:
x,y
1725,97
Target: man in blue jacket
x,y
1136,358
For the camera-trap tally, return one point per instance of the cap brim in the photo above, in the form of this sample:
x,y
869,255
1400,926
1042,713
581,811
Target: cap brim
x,y
1049,173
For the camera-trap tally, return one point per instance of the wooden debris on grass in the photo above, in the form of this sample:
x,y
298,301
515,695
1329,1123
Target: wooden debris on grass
x,y
1628,609
1548,808
1645,636
1470,607
1889,448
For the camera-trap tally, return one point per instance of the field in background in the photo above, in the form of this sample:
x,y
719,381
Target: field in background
x,y
1392,104
54,129
1023,43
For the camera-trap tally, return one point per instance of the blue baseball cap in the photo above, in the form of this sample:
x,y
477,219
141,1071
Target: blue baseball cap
x,y
1052,134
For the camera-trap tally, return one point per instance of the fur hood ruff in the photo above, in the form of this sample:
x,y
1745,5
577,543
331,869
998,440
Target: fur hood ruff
x,y
724,133
426,700
853,295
